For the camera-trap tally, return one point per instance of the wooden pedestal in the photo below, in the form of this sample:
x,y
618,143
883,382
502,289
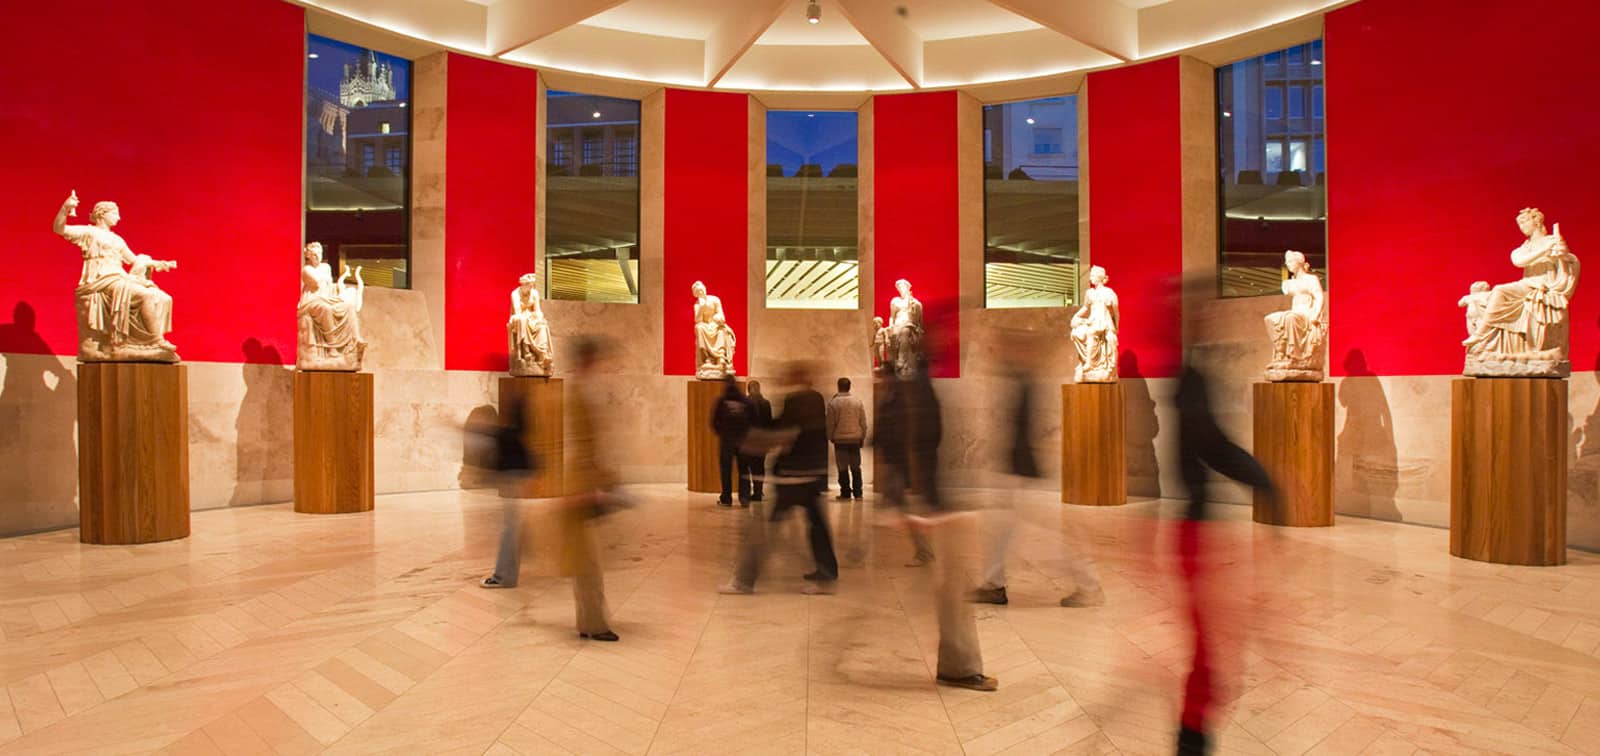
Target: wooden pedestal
x,y
1094,460
133,452
332,442
543,418
702,457
1508,470
1294,442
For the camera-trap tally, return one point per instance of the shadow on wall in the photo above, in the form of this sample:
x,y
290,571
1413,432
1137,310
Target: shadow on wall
x,y
39,410
1144,471
1367,457
1583,469
265,427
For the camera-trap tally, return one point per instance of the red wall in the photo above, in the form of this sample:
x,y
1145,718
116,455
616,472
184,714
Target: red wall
x,y
490,162
1136,207
707,222
1444,123
193,127
917,230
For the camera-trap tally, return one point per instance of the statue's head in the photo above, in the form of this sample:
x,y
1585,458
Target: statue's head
x,y
1529,219
528,281
698,288
1097,275
1294,261
312,254
903,286
877,322
105,211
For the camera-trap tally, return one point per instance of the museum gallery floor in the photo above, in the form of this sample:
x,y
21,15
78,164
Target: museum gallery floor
x,y
268,631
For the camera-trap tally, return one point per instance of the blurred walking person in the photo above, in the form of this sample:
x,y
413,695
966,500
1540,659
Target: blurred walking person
x,y
909,427
591,485
755,465
732,419
847,429
511,464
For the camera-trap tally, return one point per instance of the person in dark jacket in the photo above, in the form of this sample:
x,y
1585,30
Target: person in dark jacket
x,y
732,419
755,465
907,445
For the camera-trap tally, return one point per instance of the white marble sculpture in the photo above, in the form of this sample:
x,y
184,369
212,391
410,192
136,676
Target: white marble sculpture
x,y
1522,330
880,345
1299,334
713,339
329,316
1476,299
1094,331
528,331
122,315
905,329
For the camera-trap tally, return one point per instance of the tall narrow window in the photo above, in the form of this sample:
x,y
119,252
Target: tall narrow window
x,y
1030,201
1272,192
358,155
592,203
812,242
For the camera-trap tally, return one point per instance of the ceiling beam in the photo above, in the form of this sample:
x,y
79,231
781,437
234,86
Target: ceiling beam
x,y
1105,25
888,33
738,31
518,23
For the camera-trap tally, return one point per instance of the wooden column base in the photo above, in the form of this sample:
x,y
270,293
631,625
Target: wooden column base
x,y
1094,458
332,442
543,408
704,476
133,452
1294,442
1508,470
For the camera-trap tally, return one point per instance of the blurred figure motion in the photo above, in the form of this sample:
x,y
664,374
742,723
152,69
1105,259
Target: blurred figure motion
x,y
732,420
1019,353
755,465
847,429
800,473
907,445
508,464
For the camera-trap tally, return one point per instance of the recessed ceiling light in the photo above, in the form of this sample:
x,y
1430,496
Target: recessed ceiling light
x,y
811,115
1227,114
1030,121
813,12
402,104
597,114
313,56
1316,61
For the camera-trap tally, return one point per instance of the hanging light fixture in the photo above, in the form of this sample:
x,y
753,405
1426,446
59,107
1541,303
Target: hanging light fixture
x,y
813,12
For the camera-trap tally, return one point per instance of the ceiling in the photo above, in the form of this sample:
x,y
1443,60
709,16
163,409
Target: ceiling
x,y
859,45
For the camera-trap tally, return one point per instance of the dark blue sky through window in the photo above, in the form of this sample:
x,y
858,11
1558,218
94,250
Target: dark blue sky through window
x,y
325,71
798,137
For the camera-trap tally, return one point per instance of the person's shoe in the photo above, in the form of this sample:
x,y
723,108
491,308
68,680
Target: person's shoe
x,y
990,596
1081,598
605,636
493,581
724,502
842,497
746,504
975,682
822,588
818,577
755,496
734,587
920,560
856,496
1192,742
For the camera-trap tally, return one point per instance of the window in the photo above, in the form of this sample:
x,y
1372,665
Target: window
x,y
1272,192
591,208
1030,203
357,159
812,239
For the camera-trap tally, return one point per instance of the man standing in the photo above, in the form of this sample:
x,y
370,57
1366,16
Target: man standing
x,y
847,429
755,465
731,421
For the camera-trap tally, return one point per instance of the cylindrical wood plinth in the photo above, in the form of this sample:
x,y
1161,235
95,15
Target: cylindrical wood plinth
x,y
1508,470
1094,459
1294,442
702,453
332,442
133,452
542,408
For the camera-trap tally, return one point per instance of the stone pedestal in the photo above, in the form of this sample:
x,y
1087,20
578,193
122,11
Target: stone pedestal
x,y
332,442
1508,470
1294,441
133,452
543,418
1094,459
702,453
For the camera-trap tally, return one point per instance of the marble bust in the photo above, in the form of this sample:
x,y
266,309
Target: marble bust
x,y
713,339
1522,326
528,332
329,316
1299,334
1094,331
122,315
905,329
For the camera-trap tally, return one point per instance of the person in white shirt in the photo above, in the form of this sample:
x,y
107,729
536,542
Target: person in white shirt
x,y
847,429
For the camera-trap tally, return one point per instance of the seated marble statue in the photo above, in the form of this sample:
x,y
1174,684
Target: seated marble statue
x,y
880,344
329,316
122,315
1522,330
528,331
713,339
905,329
1299,334
1094,331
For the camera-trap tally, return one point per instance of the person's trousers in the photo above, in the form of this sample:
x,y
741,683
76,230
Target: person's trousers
x,y
896,479
508,564
727,454
1199,689
754,552
581,559
959,653
752,468
847,457
1003,525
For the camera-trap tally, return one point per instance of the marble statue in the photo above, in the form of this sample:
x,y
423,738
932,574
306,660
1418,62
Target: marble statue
x,y
880,345
528,331
1476,299
713,339
905,329
122,315
1094,331
329,316
1299,334
1522,329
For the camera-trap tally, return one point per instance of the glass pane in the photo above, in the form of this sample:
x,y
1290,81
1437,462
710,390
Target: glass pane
x,y
591,237
812,253
358,159
1273,185
1030,199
